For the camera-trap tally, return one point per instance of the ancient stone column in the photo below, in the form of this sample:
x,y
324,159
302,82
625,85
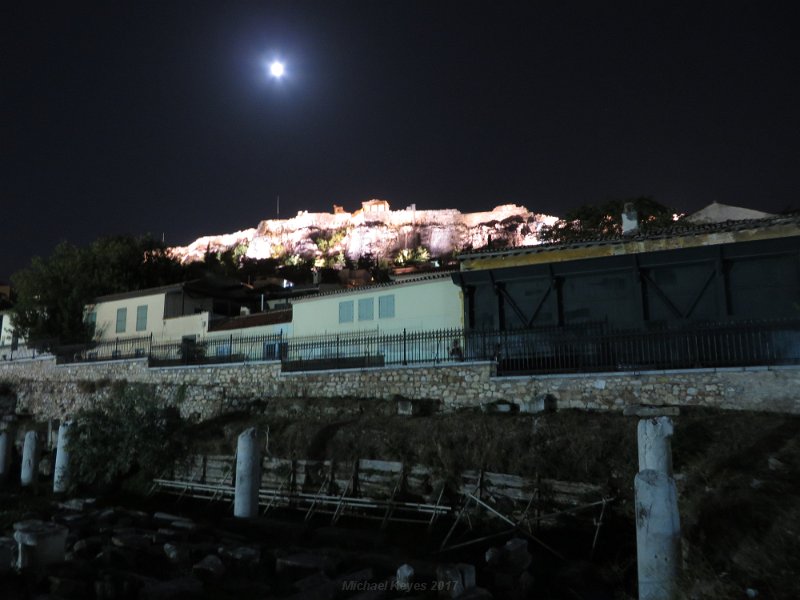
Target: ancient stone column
x,y
61,470
655,446
658,534
30,459
5,455
248,474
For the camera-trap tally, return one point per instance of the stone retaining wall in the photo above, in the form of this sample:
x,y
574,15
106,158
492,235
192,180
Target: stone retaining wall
x,y
48,390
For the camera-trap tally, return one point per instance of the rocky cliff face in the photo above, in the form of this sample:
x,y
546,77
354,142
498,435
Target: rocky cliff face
x,y
381,233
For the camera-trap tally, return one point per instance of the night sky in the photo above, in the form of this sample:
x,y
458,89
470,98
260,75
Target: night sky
x,y
159,117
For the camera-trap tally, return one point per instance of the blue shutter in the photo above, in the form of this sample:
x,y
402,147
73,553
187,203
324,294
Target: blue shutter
x,y
141,318
122,317
386,307
346,311
366,309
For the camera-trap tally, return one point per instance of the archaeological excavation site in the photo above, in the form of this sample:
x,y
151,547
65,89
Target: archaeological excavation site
x,y
136,496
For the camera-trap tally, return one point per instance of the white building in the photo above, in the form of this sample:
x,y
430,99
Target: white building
x,y
168,313
416,303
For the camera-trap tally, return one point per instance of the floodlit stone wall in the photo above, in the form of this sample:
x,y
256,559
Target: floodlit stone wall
x,y
381,233
47,390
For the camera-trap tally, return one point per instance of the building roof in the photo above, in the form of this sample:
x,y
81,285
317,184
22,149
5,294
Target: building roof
x,y
206,287
272,317
720,213
777,226
405,280
164,289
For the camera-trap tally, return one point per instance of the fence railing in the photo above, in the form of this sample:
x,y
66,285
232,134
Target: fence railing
x,y
587,348
372,349
692,346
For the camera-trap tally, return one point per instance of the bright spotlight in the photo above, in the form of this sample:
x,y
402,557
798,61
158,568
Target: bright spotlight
x,y
276,69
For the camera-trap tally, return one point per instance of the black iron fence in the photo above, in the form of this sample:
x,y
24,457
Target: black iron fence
x,y
373,349
186,352
136,347
597,348
587,348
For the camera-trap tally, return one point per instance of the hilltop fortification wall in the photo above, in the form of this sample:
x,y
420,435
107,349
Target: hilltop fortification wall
x,y
381,233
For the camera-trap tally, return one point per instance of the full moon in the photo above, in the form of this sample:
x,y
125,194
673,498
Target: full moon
x,y
276,69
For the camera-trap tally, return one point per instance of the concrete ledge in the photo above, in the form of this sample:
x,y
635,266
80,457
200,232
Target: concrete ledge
x,y
90,363
227,365
608,374
389,368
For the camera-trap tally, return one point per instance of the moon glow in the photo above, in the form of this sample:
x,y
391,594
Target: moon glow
x,y
276,69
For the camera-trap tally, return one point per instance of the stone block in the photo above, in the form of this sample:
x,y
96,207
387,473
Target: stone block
x,y
176,553
405,408
416,407
39,543
448,580
405,575
77,504
242,554
167,517
87,547
305,562
467,575
210,567
515,548
543,403
499,407
510,559
132,540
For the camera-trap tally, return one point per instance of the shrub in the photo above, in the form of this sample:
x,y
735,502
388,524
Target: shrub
x,y
87,386
131,434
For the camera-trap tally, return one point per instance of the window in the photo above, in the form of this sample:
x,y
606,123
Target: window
x,y
366,309
141,318
386,307
122,316
346,311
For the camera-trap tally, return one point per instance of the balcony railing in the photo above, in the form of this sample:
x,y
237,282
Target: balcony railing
x,y
585,348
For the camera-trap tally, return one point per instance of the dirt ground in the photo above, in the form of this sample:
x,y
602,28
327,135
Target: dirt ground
x,y
738,474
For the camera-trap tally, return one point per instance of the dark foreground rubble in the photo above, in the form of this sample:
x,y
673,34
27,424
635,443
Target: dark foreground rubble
x,y
116,553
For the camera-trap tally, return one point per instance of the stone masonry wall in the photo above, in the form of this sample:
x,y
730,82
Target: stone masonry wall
x,y
47,390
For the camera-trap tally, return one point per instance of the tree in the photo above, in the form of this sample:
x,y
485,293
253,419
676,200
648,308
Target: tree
x,y
124,263
412,256
51,293
50,296
132,432
604,220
